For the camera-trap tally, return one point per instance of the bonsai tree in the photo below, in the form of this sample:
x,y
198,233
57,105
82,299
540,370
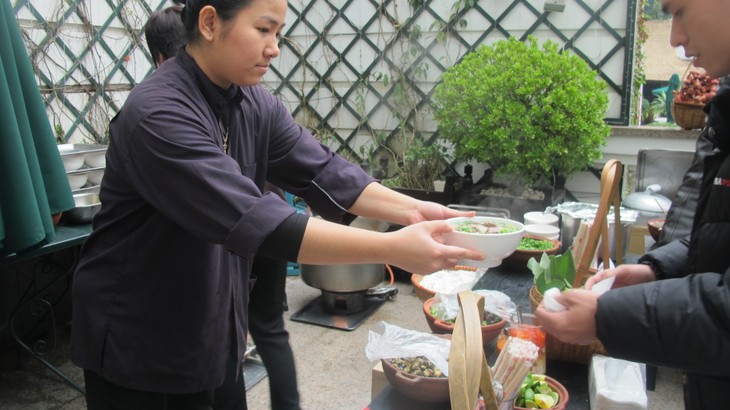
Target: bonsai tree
x,y
528,110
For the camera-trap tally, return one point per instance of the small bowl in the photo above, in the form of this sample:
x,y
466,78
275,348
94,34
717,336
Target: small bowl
x,y
540,218
543,231
95,159
655,227
438,326
95,176
418,388
494,246
87,205
72,162
563,395
521,256
76,181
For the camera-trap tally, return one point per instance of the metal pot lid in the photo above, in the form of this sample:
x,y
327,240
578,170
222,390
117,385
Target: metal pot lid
x,y
649,200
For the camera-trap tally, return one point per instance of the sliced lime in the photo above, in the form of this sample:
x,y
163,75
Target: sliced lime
x,y
544,401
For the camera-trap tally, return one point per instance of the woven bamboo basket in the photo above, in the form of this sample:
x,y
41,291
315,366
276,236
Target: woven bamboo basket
x,y
688,115
567,352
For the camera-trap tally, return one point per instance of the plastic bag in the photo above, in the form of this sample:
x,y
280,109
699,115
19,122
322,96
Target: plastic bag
x,y
388,341
447,305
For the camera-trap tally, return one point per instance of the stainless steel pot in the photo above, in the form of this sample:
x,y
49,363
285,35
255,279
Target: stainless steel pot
x,y
343,278
347,278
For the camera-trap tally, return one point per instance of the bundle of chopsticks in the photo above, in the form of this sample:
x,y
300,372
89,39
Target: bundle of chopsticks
x,y
513,364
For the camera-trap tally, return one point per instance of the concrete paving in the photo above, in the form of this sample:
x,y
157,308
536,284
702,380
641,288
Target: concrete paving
x,y
333,372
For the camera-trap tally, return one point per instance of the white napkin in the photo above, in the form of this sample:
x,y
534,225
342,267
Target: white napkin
x,y
548,298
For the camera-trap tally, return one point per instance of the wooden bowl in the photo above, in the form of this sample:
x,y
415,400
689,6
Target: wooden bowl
x,y
655,227
418,388
520,257
438,326
563,396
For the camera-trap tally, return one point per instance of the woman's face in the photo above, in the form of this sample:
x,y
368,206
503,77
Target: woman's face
x,y
239,51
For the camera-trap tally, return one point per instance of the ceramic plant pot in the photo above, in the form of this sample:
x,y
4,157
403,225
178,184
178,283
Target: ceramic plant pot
x,y
489,332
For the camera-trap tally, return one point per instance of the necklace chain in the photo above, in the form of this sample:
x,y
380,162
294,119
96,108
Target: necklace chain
x,y
224,132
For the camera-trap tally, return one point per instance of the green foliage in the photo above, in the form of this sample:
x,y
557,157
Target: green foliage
x,y
659,105
524,109
554,271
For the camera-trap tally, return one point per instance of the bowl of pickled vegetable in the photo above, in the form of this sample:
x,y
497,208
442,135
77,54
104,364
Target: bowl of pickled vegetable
x,y
531,246
496,238
417,378
539,391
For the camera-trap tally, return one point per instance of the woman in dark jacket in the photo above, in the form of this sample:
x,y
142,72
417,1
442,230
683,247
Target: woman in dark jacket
x,y
673,308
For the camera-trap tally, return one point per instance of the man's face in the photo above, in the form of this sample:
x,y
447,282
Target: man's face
x,y
702,27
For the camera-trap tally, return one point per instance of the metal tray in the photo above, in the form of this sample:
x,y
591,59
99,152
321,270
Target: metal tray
x,y
80,149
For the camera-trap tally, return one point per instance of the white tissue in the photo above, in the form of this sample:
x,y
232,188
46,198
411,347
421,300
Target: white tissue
x,y
603,286
548,300
615,384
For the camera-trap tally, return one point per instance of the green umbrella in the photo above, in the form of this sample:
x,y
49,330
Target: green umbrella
x,y
33,183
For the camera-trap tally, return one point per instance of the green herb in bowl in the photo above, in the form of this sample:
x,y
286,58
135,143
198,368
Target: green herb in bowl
x,y
533,244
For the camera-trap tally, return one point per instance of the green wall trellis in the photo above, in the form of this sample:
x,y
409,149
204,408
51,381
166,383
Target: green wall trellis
x,y
305,93
83,88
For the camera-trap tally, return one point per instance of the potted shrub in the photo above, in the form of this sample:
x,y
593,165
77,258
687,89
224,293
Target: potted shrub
x,y
524,109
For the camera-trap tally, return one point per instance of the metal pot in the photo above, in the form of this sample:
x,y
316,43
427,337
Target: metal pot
x,y
343,278
347,278
649,200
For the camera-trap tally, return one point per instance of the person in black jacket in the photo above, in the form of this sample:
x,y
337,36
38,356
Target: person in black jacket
x,y
165,35
673,308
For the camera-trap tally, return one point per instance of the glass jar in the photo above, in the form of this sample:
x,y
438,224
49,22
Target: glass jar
x,y
530,330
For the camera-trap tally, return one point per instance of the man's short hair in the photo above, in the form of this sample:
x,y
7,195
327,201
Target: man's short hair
x,y
165,33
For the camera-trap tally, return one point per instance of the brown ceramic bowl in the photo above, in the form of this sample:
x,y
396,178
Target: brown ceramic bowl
x,y
418,388
563,395
489,332
520,257
655,227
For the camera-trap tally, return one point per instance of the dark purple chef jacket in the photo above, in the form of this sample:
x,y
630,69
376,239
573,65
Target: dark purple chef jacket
x,y
161,289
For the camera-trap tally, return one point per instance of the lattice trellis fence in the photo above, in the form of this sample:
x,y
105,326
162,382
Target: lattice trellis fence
x,y
87,55
360,73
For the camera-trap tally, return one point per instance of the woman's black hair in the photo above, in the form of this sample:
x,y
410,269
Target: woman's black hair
x,y
165,33
227,10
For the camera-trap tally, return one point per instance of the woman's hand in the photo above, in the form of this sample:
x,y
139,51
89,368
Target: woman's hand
x,y
420,248
626,275
576,324
431,211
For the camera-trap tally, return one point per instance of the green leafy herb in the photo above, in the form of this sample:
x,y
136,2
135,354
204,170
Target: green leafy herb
x,y
553,271
532,244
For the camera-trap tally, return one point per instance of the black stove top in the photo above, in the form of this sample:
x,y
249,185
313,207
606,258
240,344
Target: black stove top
x,y
316,313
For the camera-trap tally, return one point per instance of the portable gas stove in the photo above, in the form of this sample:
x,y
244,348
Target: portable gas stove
x,y
344,310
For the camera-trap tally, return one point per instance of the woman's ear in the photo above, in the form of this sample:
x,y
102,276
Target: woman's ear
x,y
208,22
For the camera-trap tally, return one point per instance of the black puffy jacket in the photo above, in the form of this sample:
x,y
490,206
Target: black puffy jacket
x,y
683,320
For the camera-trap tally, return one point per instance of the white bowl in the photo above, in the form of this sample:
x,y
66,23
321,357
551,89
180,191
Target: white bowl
x,y
543,231
95,176
78,180
540,218
95,159
72,162
494,246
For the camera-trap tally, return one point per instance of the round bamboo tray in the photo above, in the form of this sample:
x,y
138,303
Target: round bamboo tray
x,y
688,115
567,352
